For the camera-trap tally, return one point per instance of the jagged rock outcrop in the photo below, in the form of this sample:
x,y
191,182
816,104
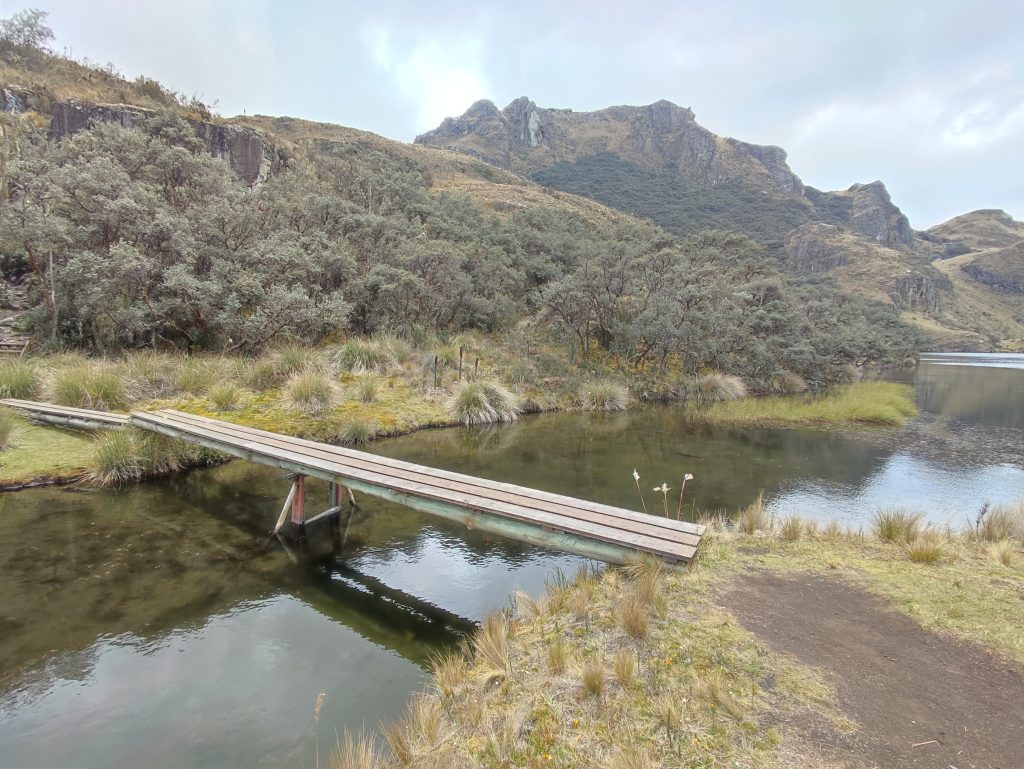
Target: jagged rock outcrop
x,y
816,248
250,153
873,215
1002,268
526,138
917,292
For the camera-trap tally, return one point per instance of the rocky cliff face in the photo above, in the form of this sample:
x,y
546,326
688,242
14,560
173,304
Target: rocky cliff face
x,y
526,138
816,248
250,153
1001,268
873,215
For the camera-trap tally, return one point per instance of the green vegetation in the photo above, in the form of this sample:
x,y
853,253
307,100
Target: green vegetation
x,y
45,454
713,388
604,395
226,397
89,385
18,379
895,525
125,456
482,401
383,243
676,203
883,403
11,422
311,392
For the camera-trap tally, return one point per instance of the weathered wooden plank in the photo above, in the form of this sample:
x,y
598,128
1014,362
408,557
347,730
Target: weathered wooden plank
x,y
570,502
103,417
529,533
364,461
385,485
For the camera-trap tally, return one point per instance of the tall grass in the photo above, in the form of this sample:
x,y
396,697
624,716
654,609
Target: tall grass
x,y
929,547
126,456
10,423
311,392
357,431
883,403
895,524
1002,522
225,397
482,401
754,517
18,379
713,388
360,356
195,376
603,395
368,388
89,385
261,374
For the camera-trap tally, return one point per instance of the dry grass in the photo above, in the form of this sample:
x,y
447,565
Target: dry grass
x,y
355,753
593,675
1002,522
633,616
754,517
491,646
604,395
11,423
896,525
792,528
929,547
311,392
1002,551
624,667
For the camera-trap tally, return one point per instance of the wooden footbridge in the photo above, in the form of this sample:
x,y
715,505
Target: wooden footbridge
x,y
553,521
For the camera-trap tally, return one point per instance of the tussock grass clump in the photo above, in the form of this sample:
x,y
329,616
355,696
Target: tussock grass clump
x,y
557,655
362,356
18,379
368,388
491,646
896,525
603,395
624,666
791,529
1001,552
10,423
311,392
929,547
714,388
261,374
89,385
291,359
633,617
125,456
355,753
195,376
226,397
1002,522
357,431
593,675
450,672
115,460
787,383
482,401
753,517
152,374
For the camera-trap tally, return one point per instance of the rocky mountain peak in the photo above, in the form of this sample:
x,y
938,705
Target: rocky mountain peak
x,y
873,215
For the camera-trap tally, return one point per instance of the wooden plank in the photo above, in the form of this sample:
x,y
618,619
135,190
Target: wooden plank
x,y
654,520
50,408
375,483
444,488
422,474
528,533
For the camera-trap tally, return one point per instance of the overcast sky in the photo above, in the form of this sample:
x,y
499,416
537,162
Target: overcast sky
x,y
926,96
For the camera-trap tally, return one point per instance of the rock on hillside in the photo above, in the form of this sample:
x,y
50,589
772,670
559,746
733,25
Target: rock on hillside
x,y
999,268
250,153
526,138
980,230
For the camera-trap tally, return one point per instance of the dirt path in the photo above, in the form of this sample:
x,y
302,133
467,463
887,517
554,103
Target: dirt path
x,y
920,698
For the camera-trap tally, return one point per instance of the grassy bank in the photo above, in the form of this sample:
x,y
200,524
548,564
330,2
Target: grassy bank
x,y
883,403
360,389
639,667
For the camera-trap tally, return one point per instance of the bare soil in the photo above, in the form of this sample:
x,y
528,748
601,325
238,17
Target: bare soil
x,y
921,699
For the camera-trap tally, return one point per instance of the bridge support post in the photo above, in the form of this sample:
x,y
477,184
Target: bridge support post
x,y
299,502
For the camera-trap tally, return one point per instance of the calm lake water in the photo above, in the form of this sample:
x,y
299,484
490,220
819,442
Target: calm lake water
x,y
158,626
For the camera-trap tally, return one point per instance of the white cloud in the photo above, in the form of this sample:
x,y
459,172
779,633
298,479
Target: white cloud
x,y
439,79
